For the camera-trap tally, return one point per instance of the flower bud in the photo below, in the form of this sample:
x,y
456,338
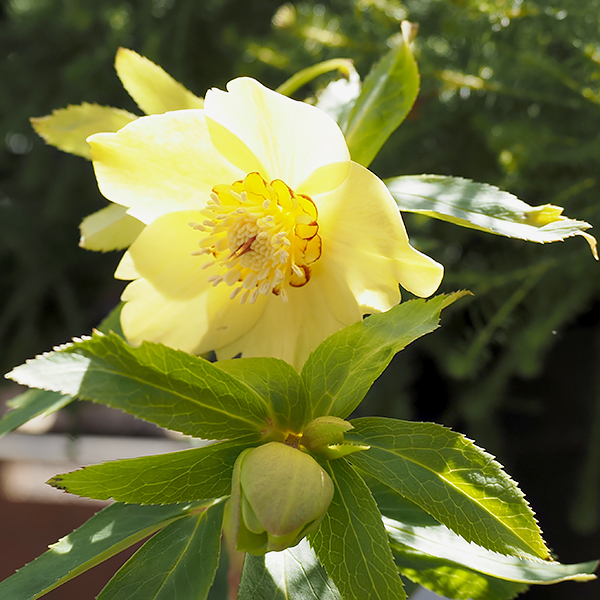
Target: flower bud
x,y
279,495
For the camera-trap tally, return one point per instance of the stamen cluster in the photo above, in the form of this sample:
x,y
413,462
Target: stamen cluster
x,y
263,236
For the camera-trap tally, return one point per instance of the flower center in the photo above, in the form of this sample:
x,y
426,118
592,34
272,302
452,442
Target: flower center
x,y
263,236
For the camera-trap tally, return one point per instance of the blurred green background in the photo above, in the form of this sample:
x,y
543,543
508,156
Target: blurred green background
x,y
510,95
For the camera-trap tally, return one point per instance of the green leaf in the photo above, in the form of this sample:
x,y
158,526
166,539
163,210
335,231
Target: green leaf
x,y
178,563
351,542
30,404
68,128
341,370
164,386
484,207
441,560
184,476
304,76
110,228
388,93
112,321
107,533
278,383
456,482
449,578
338,97
293,574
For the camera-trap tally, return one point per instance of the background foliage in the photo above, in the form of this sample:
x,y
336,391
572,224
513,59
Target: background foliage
x,y
510,95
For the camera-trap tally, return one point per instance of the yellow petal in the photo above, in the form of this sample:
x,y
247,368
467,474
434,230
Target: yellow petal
x,y
363,234
292,330
160,164
153,90
111,228
68,128
291,139
173,303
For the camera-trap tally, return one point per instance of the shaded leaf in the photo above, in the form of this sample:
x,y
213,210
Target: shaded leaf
x,y
340,371
278,383
484,207
68,128
293,574
110,228
178,563
153,90
351,542
164,386
388,93
31,404
456,482
184,476
107,533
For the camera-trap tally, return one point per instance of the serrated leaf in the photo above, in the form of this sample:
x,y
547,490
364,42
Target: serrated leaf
x,y
68,128
427,547
164,386
293,574
351,542
178,563
448,578
485,208
31,404
278,383
153,90
388,93
110,228
341,370
453,480
107,533
184,476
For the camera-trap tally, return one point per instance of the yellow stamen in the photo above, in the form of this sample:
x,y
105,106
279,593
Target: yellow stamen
x,y
262,236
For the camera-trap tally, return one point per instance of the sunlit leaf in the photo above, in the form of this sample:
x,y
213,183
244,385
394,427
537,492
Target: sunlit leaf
x,y
341,370
153,90
278,383
110,228
164,386
351,542
456,482
486,208
68,128
107,533
194,474
293,574
388,93
178,563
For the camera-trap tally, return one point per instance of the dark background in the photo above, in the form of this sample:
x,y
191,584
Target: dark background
x,y
510,95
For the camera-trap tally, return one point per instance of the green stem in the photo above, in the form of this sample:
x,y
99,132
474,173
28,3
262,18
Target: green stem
x,y
295,82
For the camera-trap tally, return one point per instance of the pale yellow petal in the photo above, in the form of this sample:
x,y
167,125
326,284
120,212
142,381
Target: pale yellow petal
x,y
160,164
173,302
292,330
162,254
68,128
363,234
291,139
153,90
110,228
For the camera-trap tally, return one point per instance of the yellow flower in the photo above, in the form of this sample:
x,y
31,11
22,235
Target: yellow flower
x,y
262,237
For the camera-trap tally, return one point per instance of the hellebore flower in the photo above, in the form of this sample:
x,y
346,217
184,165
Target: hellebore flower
x,y
279,494
262,237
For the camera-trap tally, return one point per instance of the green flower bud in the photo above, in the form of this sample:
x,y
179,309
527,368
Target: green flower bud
x,y
325,436
279,495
